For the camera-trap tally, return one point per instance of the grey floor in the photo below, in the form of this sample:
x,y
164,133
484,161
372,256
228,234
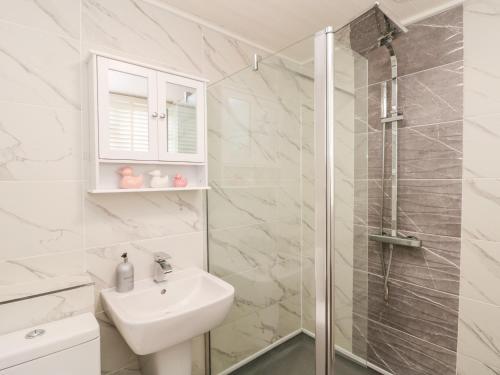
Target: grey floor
x,y
296,357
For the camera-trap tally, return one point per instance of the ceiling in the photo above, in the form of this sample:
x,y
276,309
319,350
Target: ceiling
x,y
274,24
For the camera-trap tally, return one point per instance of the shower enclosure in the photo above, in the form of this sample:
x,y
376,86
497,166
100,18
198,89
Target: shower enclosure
x,y
287,212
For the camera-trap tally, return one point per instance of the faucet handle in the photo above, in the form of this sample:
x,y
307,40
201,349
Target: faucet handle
x,y
161,256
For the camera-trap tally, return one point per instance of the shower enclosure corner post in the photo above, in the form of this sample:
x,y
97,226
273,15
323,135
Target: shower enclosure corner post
x,y
324,199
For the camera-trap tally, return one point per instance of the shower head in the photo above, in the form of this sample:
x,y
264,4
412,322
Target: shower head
x,y
393,22
388,27
374,28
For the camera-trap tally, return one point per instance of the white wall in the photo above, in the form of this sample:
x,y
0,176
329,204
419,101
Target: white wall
x,y
479,318
53,231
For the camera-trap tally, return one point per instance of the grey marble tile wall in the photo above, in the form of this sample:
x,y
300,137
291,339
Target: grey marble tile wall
x,y
406,354
416,331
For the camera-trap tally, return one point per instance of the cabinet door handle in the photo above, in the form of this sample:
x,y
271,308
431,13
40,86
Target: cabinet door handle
x,y
163,115
154,114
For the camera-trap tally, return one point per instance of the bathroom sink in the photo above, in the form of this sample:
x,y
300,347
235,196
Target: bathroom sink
x,y
156,316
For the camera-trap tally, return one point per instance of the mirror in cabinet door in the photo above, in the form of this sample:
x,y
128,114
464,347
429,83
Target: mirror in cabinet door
x,y
127,111
181,126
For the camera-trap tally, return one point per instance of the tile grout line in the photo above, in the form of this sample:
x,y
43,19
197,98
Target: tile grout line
x,y
402,333
422,71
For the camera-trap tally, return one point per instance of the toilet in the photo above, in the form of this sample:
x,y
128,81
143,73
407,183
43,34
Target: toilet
x,y
65,347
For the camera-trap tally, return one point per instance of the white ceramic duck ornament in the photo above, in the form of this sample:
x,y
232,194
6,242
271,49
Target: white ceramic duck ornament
x,y
157,180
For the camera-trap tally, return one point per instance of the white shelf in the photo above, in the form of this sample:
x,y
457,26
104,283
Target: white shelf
x,y
150,162
147,190
105,164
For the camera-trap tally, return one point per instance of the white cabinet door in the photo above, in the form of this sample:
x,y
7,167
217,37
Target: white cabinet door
x,y
181,119
127,111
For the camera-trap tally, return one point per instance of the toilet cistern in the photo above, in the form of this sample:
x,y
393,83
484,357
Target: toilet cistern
x,y
161,266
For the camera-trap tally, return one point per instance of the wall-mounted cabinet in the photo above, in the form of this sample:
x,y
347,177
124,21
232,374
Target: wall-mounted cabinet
x,y
147,118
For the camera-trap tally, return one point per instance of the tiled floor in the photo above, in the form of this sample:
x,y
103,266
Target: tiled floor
x,y
296,357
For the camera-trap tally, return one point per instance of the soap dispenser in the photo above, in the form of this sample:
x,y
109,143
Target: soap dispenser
x,y
124,275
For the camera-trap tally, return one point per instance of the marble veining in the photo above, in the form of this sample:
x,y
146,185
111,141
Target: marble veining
x,y
468,365
279,280
424,313
436,265
425,152
39,310
50,152
54,17
113,219
37,226
122,355
255,133
237,340
479,332
403,354
224,55
30,73
424,206
434,41
478,344
416,331
480,271
162,36
54,231
481,140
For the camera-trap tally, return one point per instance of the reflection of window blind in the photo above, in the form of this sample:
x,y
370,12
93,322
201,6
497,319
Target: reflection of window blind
x,y
182,129
128,123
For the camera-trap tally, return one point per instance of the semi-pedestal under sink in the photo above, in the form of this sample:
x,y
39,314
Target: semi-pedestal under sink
x,y
158,320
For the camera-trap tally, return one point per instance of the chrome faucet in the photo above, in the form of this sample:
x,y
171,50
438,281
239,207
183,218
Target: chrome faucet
x,y
161,266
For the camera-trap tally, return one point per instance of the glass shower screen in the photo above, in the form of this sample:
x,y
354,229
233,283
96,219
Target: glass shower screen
x,y
263,208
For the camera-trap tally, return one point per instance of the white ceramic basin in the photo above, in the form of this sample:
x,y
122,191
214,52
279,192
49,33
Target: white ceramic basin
x,y
193,302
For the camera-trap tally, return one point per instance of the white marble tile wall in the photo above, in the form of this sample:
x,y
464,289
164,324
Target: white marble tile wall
x,y
307,228
255,207
479,331
31,312
349,167
55,234
344,197
40,163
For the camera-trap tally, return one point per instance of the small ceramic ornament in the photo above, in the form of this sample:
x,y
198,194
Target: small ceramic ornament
x,y
180,181
157,180
128,180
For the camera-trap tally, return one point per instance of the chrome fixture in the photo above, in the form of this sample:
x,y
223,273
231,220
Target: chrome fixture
x,y
388,30
34,334
391,18
161,266
397,240
324,187
256,60
386,41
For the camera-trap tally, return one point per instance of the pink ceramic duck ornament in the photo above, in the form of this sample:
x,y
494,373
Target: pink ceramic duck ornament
x,y
180,181
128,180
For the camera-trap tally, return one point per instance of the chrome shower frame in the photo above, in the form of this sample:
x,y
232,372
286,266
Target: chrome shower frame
x,y
324,185
324,199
